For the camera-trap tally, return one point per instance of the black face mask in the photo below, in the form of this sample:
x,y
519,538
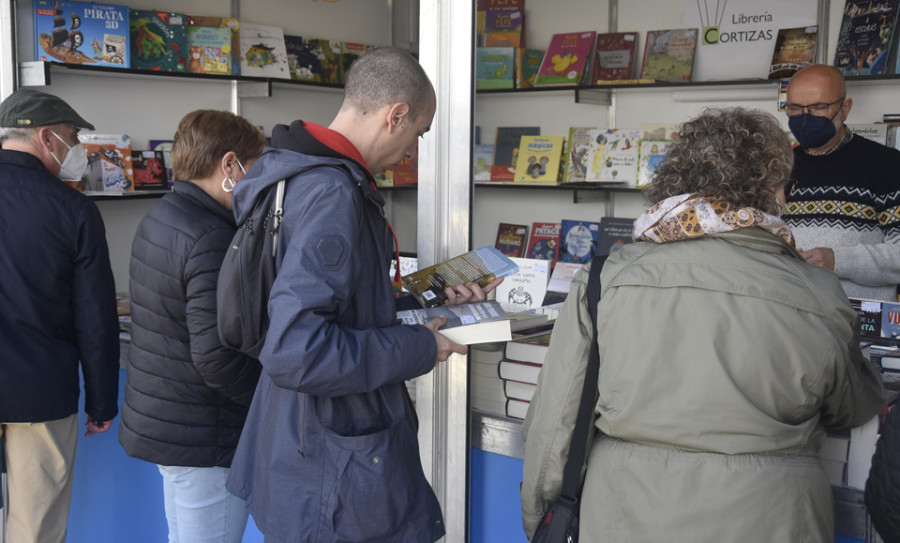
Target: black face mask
x,y
812,131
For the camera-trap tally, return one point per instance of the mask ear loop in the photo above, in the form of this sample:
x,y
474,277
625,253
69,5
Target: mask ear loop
x,y
229,182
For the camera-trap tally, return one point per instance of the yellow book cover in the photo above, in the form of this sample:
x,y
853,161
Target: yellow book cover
x,y
539,159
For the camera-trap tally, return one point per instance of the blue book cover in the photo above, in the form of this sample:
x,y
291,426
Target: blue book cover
x,y
890,319
81,33
578,241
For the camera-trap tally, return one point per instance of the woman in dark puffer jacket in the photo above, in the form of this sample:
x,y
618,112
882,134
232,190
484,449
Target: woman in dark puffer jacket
x,y
186,395
883,485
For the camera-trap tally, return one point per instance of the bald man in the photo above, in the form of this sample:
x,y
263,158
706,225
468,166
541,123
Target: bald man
x,y
843,207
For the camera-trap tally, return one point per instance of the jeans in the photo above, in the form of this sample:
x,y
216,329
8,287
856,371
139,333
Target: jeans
x,y
198,507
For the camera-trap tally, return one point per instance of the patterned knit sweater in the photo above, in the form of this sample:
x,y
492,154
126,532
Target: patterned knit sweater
x,y
848,200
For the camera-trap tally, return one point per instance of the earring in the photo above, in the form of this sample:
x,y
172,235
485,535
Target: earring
x,y
228,184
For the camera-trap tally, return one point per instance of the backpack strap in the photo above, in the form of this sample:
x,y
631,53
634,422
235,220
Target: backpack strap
x,y
279,213
571,486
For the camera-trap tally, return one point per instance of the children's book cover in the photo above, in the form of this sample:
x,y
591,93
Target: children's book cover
x,y
566,59
612,157
528,62
543,242
263,53
579,145
304,57
504,20
511,239
501,39
652,153
165,146
214,44
525,289
864,40
615,233
109,162
350,51
495,67
483,158
506,150
149,170
407,172
795,49
578,241
614,56
332,71
669,54
158,41
63,32
539,159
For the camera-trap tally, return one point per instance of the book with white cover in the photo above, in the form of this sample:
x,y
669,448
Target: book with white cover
x,y
524,289
263,53
476,322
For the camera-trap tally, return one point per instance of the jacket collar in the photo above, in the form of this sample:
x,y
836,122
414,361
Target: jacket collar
x,y
194,192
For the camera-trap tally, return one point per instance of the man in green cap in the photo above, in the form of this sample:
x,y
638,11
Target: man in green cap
x,y
57,308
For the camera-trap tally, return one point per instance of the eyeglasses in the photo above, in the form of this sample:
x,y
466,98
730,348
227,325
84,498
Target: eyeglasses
x,y
817,110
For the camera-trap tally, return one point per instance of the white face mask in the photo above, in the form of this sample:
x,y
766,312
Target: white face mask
x,y
76,161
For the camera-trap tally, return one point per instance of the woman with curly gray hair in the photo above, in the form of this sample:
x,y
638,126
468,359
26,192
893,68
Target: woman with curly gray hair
x,y
723,357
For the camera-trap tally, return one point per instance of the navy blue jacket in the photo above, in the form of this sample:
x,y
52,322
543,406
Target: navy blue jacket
x,y
329,451
186,395
57,298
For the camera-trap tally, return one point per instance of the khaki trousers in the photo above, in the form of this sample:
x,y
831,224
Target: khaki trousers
x,y
40,458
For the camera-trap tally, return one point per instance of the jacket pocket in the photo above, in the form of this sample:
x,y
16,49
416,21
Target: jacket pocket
x,y
377,483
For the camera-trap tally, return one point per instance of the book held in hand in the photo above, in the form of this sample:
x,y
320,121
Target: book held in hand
x,y
475,322
481,266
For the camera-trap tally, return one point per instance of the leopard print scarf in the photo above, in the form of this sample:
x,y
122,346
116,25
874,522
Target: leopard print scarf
x,y
689,216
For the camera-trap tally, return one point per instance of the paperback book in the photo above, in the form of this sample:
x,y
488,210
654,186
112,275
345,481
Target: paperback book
x,y
304,58
578,241
795,49
539,159
109,162
481,266
543,242
332,68
158,41
525,289
865,37
263,52
669,54
506,150
64,31
475,322
165,146
495,67
502,39
612,156
149,170
483,159
652,154
614,57
213,45
511,239
566,59
528,63
615,233
581,141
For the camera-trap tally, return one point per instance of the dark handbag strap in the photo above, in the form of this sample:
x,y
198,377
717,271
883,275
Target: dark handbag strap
x,y
578,448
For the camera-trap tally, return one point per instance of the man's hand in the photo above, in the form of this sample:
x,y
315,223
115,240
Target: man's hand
x,y
94,427
820,256
470,292
445,347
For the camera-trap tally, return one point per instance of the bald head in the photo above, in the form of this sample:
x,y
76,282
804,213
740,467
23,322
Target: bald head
x,y
816,83
385,76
